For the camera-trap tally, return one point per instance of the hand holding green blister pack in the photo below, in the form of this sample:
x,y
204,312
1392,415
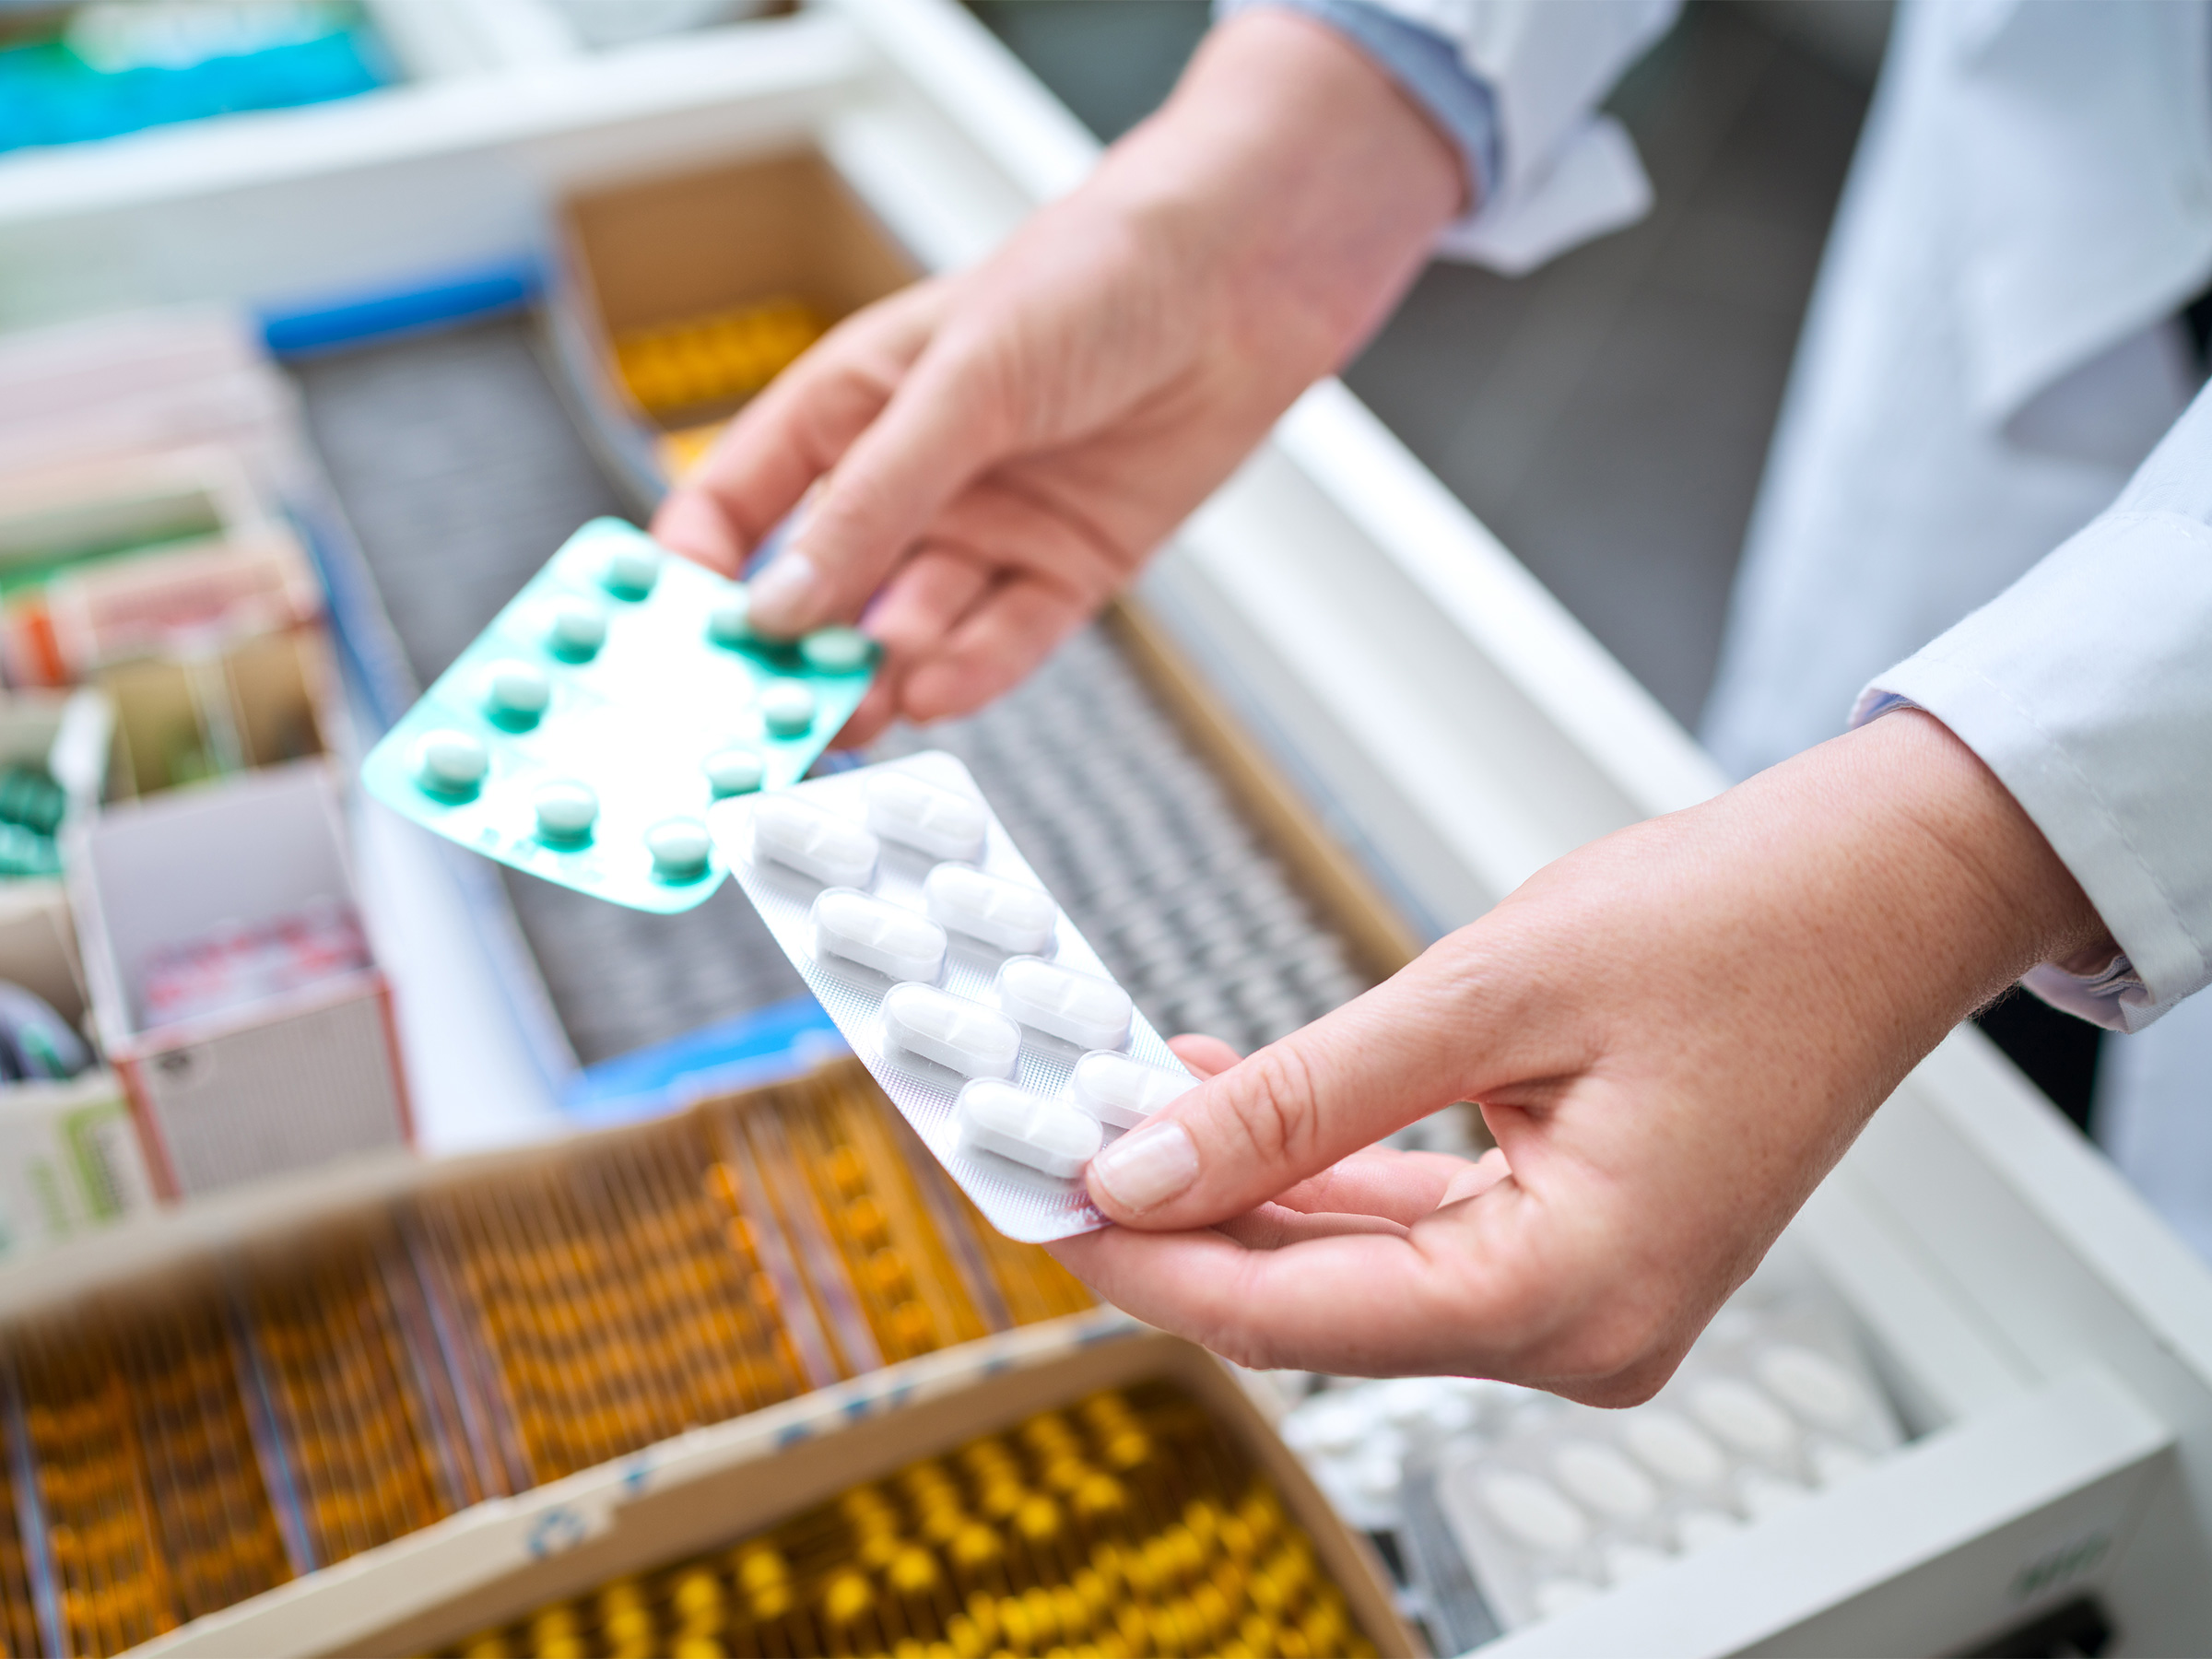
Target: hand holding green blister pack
x,y
584,735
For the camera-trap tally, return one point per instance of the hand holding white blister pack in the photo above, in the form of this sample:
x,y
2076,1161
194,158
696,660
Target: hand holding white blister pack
x,y
986,1016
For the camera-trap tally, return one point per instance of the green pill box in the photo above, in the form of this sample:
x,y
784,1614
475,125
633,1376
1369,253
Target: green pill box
x,y
584,734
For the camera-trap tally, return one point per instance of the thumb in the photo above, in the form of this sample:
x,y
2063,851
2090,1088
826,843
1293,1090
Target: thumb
x,y
1296,1107
943,426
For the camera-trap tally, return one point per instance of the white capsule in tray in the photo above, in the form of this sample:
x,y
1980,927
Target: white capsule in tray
x,y
1772,1405
986,1016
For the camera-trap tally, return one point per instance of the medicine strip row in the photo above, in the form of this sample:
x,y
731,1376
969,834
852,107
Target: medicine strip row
x,y
188,1446
1125,1525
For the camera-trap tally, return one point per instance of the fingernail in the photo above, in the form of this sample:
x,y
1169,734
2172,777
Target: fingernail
x,y
781,596
1144,1169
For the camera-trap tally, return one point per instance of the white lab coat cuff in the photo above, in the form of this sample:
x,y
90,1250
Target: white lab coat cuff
x,y
1593,186
1554,173
2083,687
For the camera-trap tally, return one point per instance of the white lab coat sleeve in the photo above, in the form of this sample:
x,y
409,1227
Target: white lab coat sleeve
x,y
1562,173
1567,173
2086,688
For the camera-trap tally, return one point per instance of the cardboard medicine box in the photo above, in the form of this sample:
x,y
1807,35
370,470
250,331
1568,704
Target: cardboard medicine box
x,y
69,1152
80,545
230,984
717,275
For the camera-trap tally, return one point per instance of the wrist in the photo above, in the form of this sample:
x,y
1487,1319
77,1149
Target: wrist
x,y
1293,185
1993,899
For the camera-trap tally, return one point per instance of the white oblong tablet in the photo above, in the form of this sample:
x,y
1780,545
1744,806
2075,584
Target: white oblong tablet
x,y
1673,1449
1008,915
1124,1092
1091,1012
906,809
1605,1480
1743,1416
877,933
974,1040
1048,1136
1812,1386
1531,1510
815,842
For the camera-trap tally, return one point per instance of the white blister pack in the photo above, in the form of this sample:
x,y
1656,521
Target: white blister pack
x,y
988,1020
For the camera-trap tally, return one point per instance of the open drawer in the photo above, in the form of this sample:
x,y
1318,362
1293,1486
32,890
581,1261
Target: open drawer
x,y
2048,1342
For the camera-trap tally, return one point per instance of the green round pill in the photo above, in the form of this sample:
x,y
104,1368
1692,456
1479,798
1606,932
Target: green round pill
x,y
565,810
788,708
578,630
730,622
629,572
837,650
678,848
518,692
451,762
734,772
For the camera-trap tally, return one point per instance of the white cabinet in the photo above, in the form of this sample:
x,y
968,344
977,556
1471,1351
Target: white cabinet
x,y
2051,1342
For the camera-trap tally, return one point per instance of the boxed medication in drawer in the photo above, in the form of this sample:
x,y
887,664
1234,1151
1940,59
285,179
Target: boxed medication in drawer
x,y
685,294
231,983
53,764
259,701
69,1153
1129,1497
102,562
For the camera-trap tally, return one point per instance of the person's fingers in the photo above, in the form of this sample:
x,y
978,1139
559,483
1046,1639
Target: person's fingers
x,y
1380,1182
1366,1304
1206,1057
1441,1029
690,522
1017,625
948,421
924,601
1471,1180
926,596
878,708
1402,1187
1271,1227
773,449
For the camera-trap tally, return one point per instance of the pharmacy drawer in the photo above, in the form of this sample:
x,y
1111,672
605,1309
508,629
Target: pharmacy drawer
x,y
2051,1342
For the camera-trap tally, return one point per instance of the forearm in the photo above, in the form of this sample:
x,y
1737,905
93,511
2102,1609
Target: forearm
x,y
1673,1034
1762,969
1297,187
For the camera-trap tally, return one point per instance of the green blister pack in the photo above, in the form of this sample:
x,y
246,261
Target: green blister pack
x,y
584,735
